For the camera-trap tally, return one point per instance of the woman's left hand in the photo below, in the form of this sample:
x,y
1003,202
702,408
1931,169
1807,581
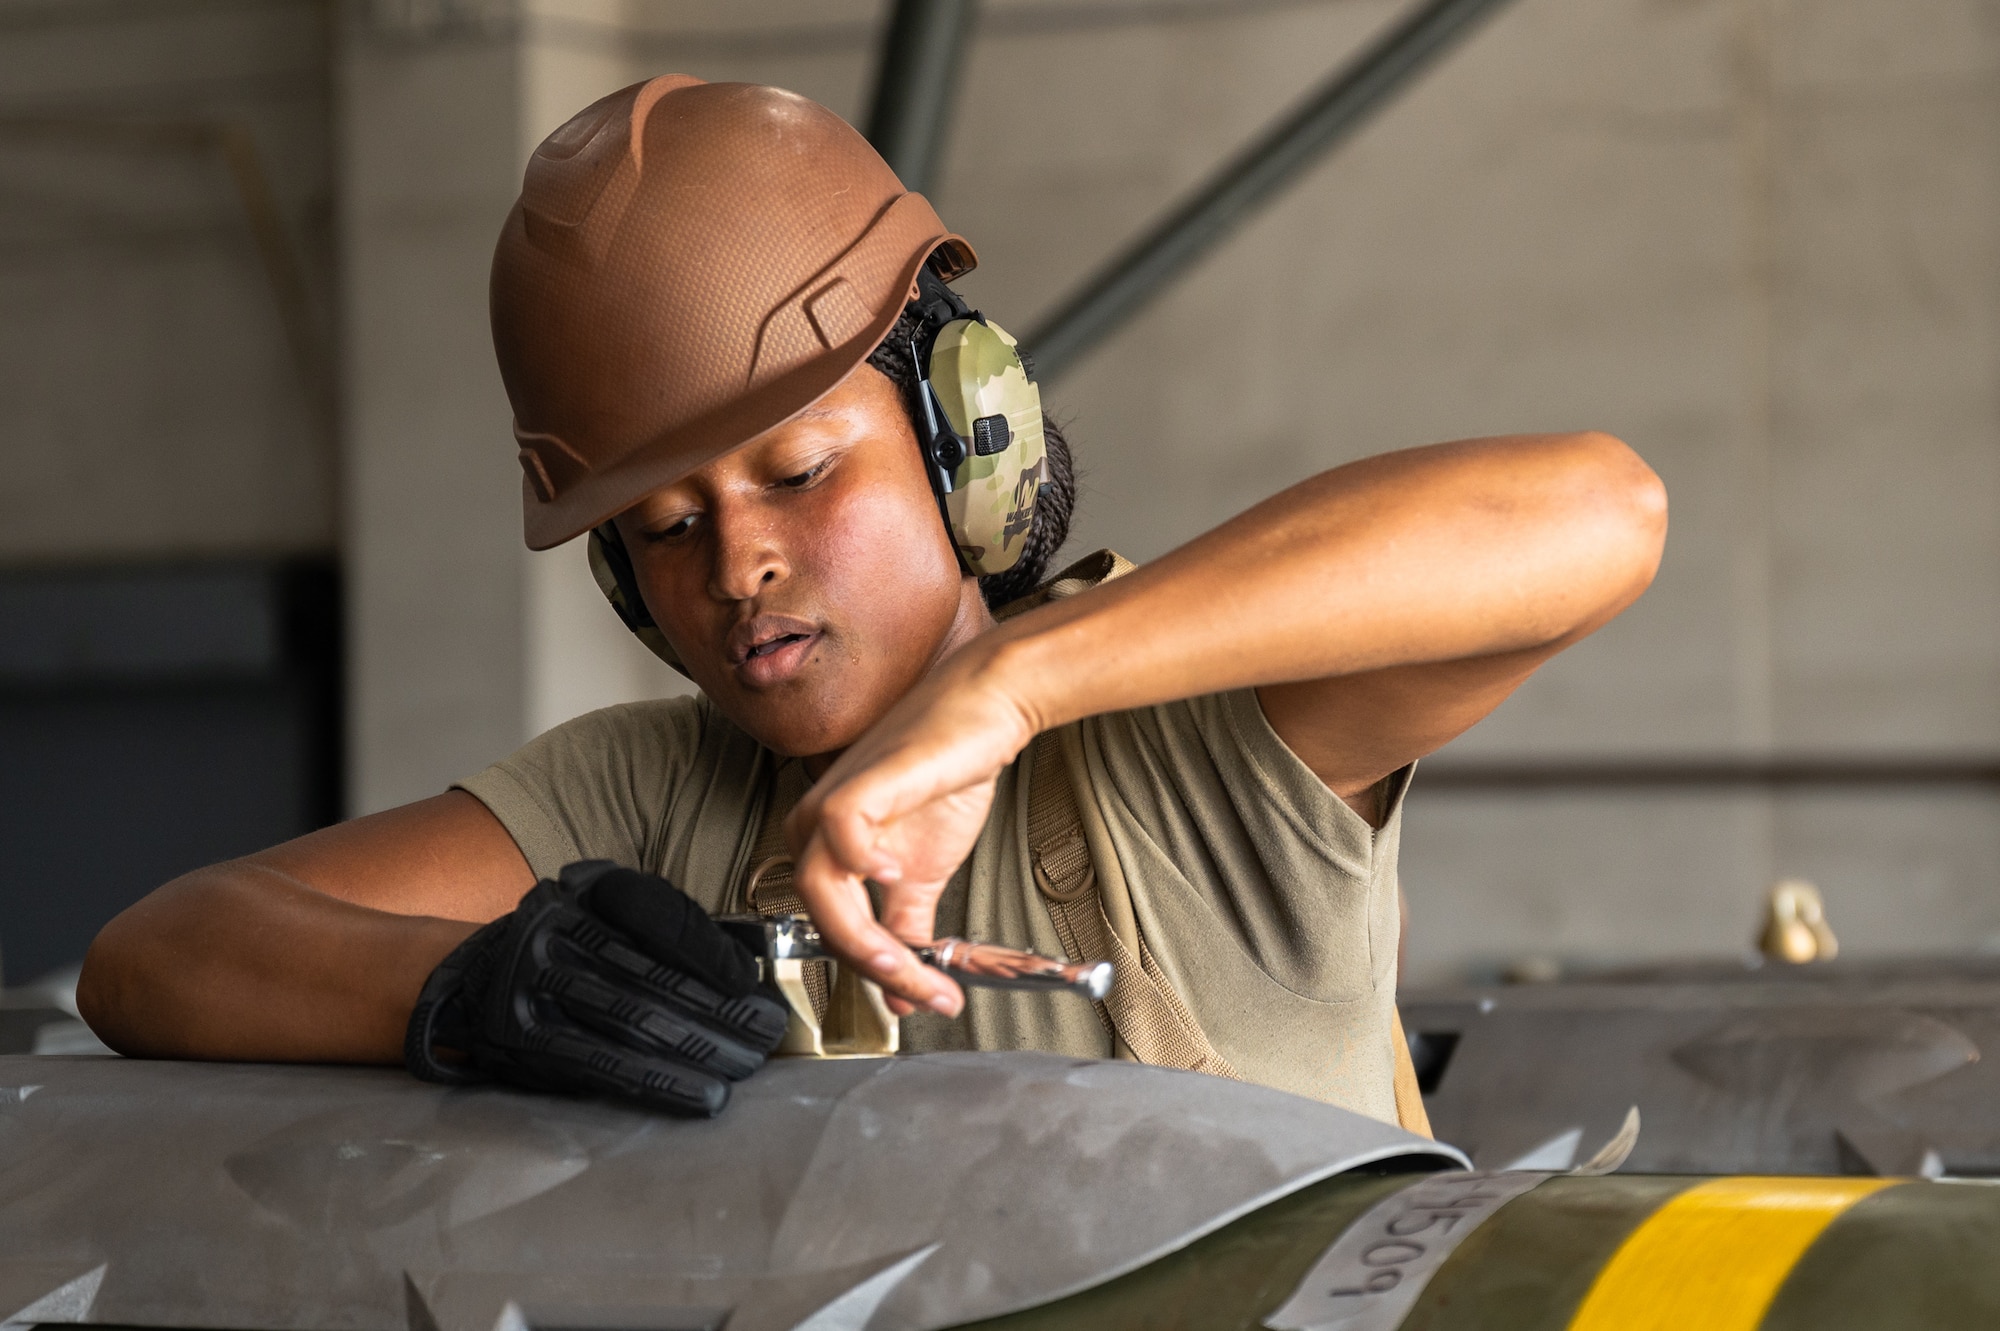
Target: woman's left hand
x,y
903,807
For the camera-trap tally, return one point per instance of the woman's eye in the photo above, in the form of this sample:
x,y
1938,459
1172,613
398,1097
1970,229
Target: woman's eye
x,y
805,478
672,531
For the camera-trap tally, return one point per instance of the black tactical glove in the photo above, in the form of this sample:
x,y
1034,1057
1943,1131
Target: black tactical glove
x,y
605,981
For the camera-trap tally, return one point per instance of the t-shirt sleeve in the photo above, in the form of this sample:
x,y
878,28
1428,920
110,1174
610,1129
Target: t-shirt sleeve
x,y
1290,788
597,787
1223,818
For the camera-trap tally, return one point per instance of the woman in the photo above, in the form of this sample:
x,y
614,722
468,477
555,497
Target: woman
x,y
719,318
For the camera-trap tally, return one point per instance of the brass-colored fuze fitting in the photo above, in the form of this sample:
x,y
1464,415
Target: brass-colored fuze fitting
x,y
1795,928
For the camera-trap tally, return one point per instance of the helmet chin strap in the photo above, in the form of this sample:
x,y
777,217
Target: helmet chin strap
x,y
937,304
630,604
611,567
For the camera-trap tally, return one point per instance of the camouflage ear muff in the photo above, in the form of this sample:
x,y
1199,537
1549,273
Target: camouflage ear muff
x,y
611,566
982,413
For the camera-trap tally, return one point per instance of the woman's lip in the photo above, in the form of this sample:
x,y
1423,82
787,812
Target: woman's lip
x,y
780,663
752,633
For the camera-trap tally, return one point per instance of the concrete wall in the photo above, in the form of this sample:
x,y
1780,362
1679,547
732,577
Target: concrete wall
x,y
429,163
1832,585
463,644
578,656
163,366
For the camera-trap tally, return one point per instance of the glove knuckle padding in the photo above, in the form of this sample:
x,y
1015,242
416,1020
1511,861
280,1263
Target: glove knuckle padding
x,y
621,1015
605,980
667,925
575,1060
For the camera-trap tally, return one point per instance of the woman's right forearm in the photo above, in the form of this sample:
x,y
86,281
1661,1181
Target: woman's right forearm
x,y
241,961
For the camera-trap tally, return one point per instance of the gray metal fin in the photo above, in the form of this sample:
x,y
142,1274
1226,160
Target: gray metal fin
x,y
415,1308
68,1302
1885,1151
1614,1152
850,1311
1552,1156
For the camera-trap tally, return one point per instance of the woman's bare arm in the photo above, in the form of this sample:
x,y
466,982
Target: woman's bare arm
x,y
1443,577
1380,609
314,950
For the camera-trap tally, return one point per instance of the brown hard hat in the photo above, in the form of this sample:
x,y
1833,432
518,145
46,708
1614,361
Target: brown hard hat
x,y
689,265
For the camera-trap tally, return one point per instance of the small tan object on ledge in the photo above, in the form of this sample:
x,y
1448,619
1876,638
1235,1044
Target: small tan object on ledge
x,y
1795,927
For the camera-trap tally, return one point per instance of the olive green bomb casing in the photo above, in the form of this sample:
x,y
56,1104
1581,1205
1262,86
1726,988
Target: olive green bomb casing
x,y
991,404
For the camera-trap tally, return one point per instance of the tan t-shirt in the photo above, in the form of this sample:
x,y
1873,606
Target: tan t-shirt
x,y
1270,904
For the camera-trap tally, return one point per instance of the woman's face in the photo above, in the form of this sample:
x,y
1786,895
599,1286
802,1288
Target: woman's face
x,y
805,579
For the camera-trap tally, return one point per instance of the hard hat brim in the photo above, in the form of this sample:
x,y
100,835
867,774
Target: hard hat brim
x,y
602,495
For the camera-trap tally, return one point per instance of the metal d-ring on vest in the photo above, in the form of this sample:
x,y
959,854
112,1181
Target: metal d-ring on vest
x,y
769,892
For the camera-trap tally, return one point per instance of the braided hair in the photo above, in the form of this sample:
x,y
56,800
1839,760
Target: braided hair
x,y
1053,503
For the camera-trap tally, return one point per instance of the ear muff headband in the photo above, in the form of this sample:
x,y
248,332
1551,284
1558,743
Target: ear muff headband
x,y
982,415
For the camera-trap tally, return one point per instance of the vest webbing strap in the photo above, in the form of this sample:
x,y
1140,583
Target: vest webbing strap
x,y
768,890
1142,1007
1410,1111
